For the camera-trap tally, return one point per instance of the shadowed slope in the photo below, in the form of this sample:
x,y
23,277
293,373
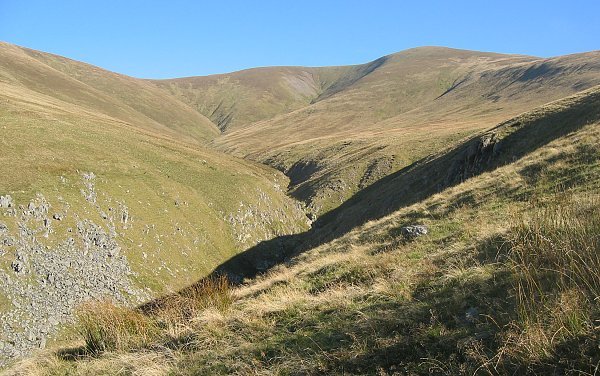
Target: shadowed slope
x,y
501,145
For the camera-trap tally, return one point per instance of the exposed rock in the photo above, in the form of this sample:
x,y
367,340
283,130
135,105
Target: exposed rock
x,y
89,192
413,231
471,315
475,158
58,216
123,213
18,266
6,202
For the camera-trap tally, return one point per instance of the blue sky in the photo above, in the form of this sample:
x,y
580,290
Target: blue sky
x,y
174,38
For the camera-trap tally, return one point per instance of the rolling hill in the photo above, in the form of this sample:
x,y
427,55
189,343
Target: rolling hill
x,y
131,101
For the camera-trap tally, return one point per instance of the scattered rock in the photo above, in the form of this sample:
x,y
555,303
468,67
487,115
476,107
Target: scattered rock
x,y
124,214
87,264
471,315
6,202
89,193
18,266
413,231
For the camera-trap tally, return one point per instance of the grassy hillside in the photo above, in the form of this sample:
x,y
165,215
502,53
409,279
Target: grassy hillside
x,y
504,282
410,105
100,200
128,100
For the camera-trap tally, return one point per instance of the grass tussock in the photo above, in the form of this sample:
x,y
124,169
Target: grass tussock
x,y
178,310
105,326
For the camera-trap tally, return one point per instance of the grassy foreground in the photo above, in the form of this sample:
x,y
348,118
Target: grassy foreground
x,y
505,282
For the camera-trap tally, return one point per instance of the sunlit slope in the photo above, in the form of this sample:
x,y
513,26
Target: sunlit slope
x,y
164,183
129,100
239,98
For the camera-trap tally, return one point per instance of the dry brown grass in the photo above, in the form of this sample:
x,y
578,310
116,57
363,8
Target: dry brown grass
x,y
105,326
176,312
145,363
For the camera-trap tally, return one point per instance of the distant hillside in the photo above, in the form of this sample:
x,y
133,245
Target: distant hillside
x,y
411,104
240,98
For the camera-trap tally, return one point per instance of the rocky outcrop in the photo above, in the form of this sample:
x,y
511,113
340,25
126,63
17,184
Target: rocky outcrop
x,y
48,279
6,202
263,220
476,157
413,231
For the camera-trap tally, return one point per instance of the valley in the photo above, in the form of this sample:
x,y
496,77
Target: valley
x,y
297,184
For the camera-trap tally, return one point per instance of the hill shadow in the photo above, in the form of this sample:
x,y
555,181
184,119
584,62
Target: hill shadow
x,y
499,146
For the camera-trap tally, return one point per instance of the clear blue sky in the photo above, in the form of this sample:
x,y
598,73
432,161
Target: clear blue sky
x,y
173,38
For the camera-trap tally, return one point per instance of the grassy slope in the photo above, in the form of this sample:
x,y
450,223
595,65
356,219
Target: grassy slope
x,y
370,302
239,98
412,105
174,208
129,100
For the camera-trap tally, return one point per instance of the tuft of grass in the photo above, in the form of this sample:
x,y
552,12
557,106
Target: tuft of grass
x,y
177,311
105,326
338,274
